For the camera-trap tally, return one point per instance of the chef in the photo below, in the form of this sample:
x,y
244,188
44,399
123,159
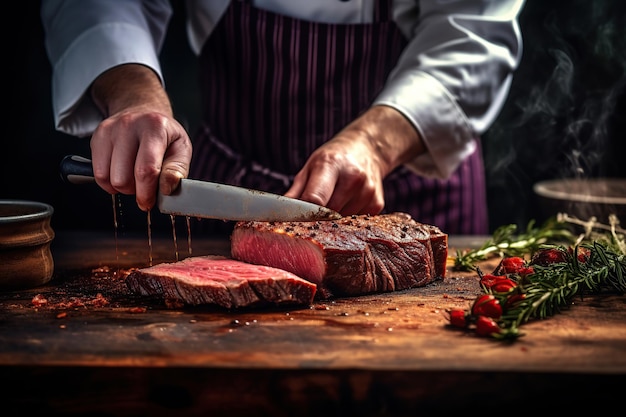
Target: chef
x,y
364,106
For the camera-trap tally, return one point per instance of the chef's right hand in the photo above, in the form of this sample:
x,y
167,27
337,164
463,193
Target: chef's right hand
x,y
139,146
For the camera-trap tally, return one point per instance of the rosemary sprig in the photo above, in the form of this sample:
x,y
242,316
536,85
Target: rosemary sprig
x,y
551,288
556,266
505,241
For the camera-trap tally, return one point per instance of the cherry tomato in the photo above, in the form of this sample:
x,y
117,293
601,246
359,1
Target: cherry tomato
x,y
457,318
545,257
503,286
514,298
489,280
524,272
582,254
497,283
512,265
486,326
487,305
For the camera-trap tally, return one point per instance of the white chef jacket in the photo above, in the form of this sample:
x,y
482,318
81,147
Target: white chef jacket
x,y
450,82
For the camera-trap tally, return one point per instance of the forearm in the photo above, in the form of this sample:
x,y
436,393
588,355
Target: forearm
x,y
130,86
394,138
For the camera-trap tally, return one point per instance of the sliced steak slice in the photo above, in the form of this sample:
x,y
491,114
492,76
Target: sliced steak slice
x,y
206,280
350,256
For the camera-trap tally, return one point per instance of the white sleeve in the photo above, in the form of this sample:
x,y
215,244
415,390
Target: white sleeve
x,y
454,75
85,38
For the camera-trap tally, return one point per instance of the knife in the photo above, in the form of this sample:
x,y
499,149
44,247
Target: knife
x,y
202,199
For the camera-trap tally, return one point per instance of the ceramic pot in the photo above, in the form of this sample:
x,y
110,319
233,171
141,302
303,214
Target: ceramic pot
x,y
25,237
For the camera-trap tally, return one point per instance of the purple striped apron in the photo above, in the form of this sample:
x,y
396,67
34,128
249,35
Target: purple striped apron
x,y
275,88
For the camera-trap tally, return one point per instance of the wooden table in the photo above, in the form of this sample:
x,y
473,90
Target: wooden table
x,y
375,355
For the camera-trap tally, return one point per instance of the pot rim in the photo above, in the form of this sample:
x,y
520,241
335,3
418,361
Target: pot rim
x,y
39,211
555,189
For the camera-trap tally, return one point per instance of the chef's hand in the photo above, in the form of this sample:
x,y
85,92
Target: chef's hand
x,y
346,173
139,146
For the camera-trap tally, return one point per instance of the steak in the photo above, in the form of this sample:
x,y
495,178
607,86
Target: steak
x,y
217,280
354,255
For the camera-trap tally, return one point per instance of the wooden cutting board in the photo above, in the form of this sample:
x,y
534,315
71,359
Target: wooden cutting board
x,y
360,352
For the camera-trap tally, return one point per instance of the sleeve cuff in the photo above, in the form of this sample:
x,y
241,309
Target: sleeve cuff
x,y
94,52
439,120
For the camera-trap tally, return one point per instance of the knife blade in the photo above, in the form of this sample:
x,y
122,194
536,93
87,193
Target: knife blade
x,y
203,199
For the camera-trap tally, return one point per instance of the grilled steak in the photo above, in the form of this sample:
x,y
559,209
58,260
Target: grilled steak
x,y
350,256
205,280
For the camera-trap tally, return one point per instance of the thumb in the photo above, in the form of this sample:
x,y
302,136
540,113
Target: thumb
x,y
175,167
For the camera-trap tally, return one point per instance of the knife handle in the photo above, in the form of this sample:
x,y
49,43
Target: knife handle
x,y
76,170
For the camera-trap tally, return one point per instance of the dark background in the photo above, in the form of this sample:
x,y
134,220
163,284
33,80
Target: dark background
x,y
564,116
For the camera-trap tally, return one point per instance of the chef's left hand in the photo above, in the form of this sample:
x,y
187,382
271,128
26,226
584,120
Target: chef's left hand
x,y
346,173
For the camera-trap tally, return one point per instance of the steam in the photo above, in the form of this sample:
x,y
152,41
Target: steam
x,y
557,122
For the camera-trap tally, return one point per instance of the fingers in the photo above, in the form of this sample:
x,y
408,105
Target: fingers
x,y
134,153
339,183
163,158
299,182
109,170
356,194
314,183
147,167
175,165
356,198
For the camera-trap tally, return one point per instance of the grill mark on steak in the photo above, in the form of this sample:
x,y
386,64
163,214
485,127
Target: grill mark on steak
x,y
217,280
350,256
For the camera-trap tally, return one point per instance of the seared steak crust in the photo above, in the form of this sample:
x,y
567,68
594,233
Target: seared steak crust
x,y
350,256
